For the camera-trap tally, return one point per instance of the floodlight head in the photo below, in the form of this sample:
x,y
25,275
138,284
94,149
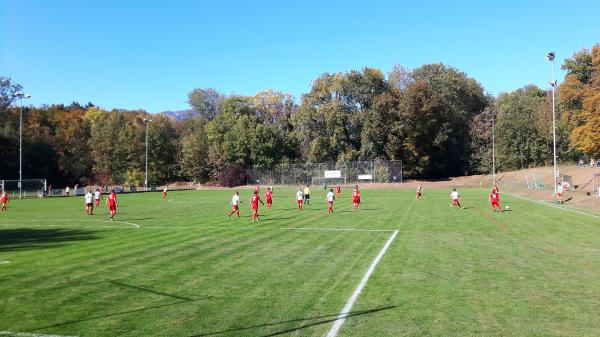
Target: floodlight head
x,y
554,83
18,94
27,96
550,56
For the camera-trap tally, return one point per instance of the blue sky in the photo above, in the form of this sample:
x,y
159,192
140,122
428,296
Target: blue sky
x,y
150,54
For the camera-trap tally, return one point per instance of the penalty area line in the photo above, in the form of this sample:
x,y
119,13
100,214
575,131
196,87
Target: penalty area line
x,y
71,220
541,202
4,262
341,318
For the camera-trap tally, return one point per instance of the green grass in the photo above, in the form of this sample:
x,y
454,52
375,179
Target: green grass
x,y
189,271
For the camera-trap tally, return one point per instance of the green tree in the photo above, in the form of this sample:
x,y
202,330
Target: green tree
x,y
206,102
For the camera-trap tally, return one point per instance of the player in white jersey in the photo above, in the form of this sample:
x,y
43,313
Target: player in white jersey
x,y
455,196
89,203
300,198
559,193
235,203
330,199
419,190
97,196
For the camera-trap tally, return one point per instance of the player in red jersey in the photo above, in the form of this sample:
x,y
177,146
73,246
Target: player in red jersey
x,y
355,197
235,202
254,200
111,204
338,190
4,201
257,189
495,200
269,197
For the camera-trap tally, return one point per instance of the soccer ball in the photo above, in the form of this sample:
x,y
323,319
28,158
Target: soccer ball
x,y
507,207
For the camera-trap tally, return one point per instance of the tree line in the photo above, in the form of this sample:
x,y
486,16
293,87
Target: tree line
x,y
434,118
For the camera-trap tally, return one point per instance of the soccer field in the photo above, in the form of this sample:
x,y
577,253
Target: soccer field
x,y
179,267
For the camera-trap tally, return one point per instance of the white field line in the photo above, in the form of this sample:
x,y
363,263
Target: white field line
x,y
555,206
4,262
27,334
341,318
224,227
84,220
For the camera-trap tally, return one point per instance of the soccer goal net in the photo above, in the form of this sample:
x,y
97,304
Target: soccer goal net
x,y
26,188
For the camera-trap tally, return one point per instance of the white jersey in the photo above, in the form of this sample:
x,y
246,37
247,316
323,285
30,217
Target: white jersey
x,y
418,188
299,195
559,189
454,195
88,198
235,200
97,195
165,190
330,196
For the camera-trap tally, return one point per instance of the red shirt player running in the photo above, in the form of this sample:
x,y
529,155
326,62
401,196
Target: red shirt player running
x,y
355,198
4,201
254,200
111,204
338,190
495,200
269,197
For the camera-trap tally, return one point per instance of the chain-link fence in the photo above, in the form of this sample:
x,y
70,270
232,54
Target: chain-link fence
x,y
351,172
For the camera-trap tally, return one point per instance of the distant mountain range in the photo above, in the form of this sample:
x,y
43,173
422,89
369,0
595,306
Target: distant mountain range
x,y
179,114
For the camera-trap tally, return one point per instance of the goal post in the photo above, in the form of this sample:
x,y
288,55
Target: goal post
x,y
26,188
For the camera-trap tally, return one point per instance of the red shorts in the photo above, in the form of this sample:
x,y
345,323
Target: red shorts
x,y
235,207
300,202
112,207
495,203
269,201
355,200
255,208
454,201
559,195
418,194
330,203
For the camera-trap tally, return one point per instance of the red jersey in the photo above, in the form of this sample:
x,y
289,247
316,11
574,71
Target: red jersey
x,y
5,198
338,188
254,201
355,195
269,195
257,188
112,199
494,197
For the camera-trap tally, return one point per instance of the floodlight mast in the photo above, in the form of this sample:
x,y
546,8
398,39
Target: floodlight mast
x,y
550,57
146,121
21,95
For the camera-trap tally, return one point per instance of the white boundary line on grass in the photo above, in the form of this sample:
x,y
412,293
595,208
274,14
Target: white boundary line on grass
x,y
4,262
552,205
341,318
72,220
27,334
225,227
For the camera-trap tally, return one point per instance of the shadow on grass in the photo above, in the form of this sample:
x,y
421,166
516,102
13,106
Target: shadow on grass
x,y
324,319
35,238
74,321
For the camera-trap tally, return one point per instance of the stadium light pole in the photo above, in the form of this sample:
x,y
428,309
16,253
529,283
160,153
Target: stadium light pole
x,y
550,57
21,95
146,121
494,148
